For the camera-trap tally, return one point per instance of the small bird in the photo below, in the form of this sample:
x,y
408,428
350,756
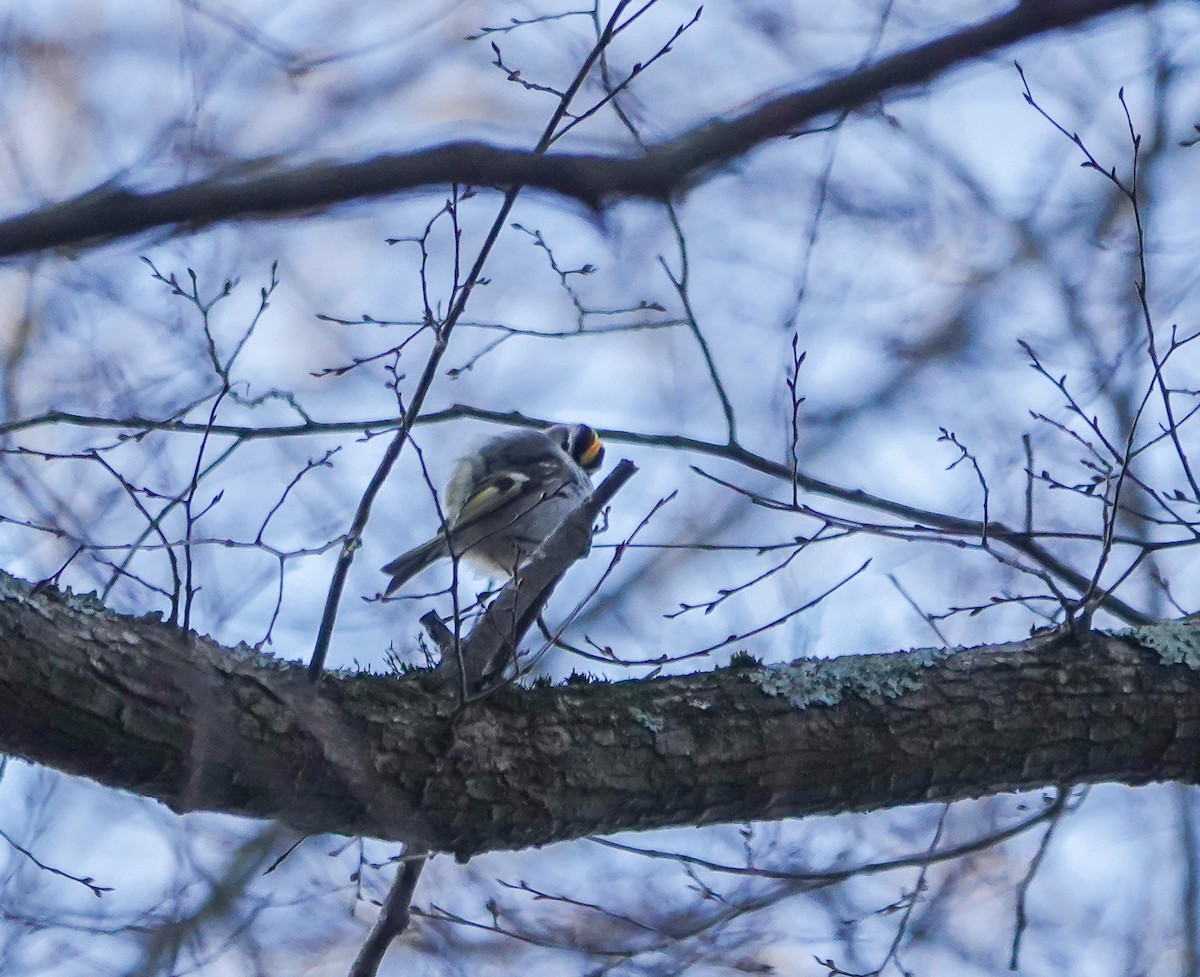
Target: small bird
x,y
506,498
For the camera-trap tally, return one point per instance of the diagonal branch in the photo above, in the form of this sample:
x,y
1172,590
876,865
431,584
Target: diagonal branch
x,y
492,644
665,169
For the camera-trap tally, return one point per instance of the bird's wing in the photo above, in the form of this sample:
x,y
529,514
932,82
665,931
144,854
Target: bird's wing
x,y
519,491
493,493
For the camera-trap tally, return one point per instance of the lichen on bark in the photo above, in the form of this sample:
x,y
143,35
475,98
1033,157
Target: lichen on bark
x,y
826,681
1177,642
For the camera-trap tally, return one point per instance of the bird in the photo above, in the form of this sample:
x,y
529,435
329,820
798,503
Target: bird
x,y
505,498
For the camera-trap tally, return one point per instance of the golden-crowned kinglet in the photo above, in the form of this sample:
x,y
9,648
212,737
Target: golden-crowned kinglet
x,y
506,498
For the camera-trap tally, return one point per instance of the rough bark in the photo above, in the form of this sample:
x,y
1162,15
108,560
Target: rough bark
x,y
143,706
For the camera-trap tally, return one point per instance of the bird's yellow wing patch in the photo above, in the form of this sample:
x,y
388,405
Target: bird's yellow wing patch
x,y
491,494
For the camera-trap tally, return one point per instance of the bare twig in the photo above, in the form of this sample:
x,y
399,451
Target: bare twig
x,y
1027,881
85,880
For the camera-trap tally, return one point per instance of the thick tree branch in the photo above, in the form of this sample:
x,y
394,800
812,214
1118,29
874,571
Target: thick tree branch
x,y
668,168
143,706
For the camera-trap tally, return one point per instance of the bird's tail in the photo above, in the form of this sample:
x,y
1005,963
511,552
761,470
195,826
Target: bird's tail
x,y
408,565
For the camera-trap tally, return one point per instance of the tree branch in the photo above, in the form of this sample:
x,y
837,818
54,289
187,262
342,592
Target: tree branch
x,y
666,169
493,641
1032,544
147,707
393,919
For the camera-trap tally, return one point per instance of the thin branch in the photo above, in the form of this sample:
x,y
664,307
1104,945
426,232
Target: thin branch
x,y
997,532
1026,882
869,868
84,880
417,400
393,919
